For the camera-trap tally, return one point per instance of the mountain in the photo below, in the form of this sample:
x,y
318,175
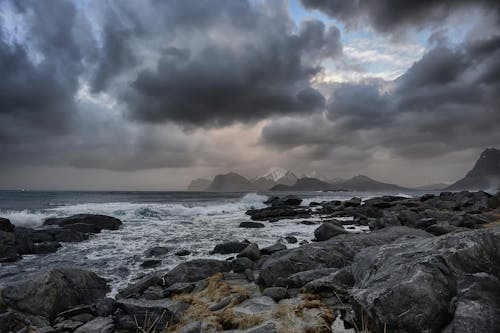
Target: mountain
x,y
230,182
316,175
199,185
484,175
304,184
364,183
274,176
280,176
432,187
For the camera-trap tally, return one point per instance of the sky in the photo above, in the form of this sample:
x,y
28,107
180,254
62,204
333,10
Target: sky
x,y
149,94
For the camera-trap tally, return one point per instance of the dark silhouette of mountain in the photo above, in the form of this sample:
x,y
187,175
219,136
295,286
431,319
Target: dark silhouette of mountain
x,y
357,183
230,182
364,183
304,184
199,185
263,184
484,175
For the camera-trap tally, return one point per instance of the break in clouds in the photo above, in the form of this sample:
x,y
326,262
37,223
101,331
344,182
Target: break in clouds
x,y
212,85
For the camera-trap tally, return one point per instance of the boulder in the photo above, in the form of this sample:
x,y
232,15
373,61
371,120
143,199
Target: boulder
x,y
156,251
353,202
494,201
193,327
150,263
276,293
230,247
102,221
291,239
241,264
300,279
51,292
337,252
340,282
272,249
289,200
328,230
195,270
182,253
97,325
46,247
137,288
179,288
105,307
424,284
251,252
8,248
251,225
6,225
148,313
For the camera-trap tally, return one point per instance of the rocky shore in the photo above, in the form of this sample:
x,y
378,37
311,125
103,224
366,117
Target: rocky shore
x,y
428,264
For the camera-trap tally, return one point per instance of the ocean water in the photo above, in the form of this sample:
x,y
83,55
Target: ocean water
x,y
194,221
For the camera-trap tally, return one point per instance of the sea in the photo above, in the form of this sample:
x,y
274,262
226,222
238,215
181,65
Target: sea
x,y
193,221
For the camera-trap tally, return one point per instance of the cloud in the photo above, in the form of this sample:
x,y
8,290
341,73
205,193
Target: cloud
x,y
388,16
447,101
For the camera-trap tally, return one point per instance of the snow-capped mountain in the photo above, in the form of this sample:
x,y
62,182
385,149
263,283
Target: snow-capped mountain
x,y
280,176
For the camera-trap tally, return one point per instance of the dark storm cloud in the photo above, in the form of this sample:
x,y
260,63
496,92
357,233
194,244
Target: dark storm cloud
x,y
445,102
249,65
388,15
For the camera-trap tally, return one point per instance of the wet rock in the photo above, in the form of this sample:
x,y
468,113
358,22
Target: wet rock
x,y
273,214
241,264
137,288
339,282
6,225
276,293
148,313
353,202
272,249
150,263
230,247
105,307
251,252
51,292
328,230
97,325
66,235
291,239
195,270
153,292
182,253
410,285
337,252
84,227
75,311
156,251
179,288
251,225
24,240
46,247
67,325
102,221
289,200
494,201
8,248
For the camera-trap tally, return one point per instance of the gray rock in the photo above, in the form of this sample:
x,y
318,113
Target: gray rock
x,y
182,253
251,252
67,325
105,307
149,312
442,229
137,288
276,293
221,304
255,306
98,325
289,200
337,252
269,327
194,327
84,227
103,221
251,225
179,288
230,247
51,292
46,247
8,248
156,251
153,292
151,263
353,202
195,270
272,249
328,230
340,281
409,286
6,225
300,279
291,239
241,264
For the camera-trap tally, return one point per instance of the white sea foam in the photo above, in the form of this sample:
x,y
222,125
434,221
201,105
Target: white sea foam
x,y
24,218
